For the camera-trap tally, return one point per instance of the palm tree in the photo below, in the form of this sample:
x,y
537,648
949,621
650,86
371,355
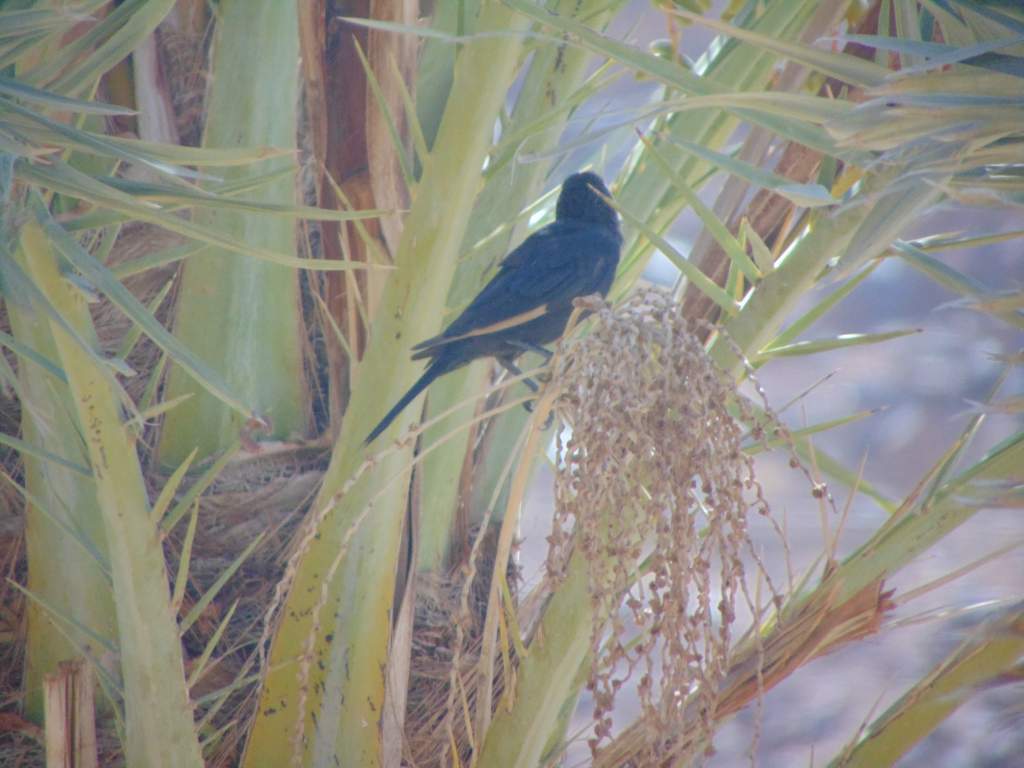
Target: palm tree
x,y
204,325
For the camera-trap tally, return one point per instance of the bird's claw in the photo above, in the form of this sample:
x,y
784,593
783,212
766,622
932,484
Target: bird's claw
x,y
547,422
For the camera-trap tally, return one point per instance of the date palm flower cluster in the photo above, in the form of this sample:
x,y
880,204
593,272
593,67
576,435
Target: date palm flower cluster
x,y
654,491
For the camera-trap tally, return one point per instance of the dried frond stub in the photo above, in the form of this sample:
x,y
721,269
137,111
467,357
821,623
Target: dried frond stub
x,y
654,488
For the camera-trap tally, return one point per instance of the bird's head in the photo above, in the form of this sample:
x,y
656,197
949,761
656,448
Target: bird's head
x,y
581,200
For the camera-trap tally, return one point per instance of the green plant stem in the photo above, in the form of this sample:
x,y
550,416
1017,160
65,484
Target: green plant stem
x,y
344,697
159,728
78,588
240,314
549,677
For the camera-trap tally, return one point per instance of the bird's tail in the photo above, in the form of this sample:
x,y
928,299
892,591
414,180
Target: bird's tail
x,y
438,367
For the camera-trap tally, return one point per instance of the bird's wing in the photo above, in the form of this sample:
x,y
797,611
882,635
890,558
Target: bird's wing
x,y
551,267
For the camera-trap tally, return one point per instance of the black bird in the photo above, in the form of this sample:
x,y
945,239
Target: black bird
x,y
528,303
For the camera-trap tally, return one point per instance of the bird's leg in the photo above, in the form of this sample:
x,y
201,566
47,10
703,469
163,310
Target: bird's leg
x,y
529,346
512,368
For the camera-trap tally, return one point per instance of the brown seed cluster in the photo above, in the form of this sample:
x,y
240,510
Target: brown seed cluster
x,y
654,489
